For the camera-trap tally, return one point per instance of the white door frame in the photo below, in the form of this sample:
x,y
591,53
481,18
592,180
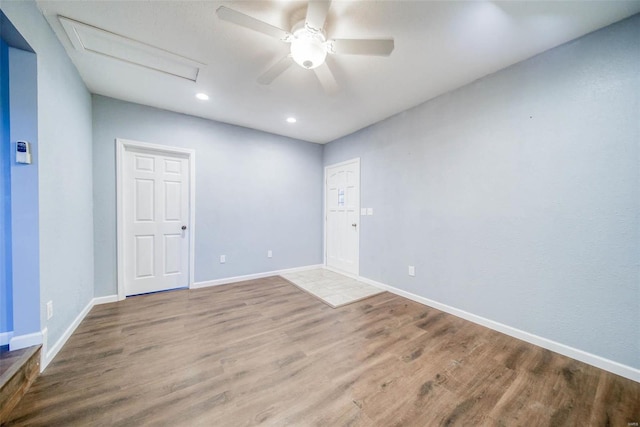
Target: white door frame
x,y
122,145
324,208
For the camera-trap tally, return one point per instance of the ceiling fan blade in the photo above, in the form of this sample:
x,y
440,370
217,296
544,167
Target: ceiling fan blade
x,y
360,47
328,82
276,69
317,14
252,23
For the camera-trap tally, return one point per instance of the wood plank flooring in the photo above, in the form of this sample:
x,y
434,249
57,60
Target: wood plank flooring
x,y
18,370
264,352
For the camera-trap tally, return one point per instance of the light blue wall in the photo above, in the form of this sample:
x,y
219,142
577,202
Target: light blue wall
x,y
517,196
25,244
21,241
6,300
254,191
64,163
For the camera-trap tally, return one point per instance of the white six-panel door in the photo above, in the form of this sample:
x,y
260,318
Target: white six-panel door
x,y
155,188
342,204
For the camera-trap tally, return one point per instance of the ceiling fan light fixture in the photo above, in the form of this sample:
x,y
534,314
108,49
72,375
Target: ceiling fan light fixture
x,y
308,41
308,50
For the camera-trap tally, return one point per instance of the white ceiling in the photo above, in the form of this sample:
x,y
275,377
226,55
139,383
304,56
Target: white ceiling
x,y
439,46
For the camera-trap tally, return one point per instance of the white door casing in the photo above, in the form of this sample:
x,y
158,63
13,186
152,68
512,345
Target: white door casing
x,y
342,216
155,217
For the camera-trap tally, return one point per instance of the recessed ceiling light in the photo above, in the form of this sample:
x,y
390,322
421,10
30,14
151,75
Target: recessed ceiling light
x,y
202,96
291,120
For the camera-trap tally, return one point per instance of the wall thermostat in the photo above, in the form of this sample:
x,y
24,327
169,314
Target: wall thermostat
x,y
23,152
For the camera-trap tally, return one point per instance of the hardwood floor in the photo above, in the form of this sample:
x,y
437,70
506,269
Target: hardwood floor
x,y
265,352
18,370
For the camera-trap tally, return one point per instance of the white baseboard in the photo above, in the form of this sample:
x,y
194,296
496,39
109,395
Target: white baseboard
x,y
583,356
53,351
23,341
43,350
105,300
228,280
5,337
50,353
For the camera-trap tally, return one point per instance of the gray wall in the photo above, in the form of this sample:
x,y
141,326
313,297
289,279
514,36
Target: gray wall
x,y
64,173
517,197
254,191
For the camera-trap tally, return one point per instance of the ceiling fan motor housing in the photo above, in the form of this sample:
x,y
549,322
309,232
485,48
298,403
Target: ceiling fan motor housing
x,y
307,47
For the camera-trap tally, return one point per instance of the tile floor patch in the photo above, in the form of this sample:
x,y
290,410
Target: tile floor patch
x,y
332,288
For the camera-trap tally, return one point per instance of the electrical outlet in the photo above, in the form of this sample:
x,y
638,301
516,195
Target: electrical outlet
x,y
223,259
49,310
412,270
269,254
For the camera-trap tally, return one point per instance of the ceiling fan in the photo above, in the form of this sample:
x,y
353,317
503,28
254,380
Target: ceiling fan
x,y
309,43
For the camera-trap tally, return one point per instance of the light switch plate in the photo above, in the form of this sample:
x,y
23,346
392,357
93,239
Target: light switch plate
x,y
363,211
412,270
369,211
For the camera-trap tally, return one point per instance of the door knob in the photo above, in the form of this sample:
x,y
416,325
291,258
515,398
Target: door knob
x,y
184,227
354,225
